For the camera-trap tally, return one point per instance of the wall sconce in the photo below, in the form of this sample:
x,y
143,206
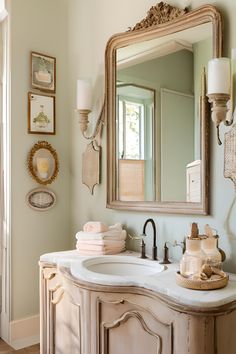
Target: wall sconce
x,y
220,91
84,108
92,155
84,103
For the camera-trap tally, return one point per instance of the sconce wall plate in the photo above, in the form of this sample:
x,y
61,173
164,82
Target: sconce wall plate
x,y
91,166
43,165
41,199
230,155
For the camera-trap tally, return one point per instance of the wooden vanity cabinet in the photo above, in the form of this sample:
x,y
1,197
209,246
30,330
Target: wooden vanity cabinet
x,y
84,318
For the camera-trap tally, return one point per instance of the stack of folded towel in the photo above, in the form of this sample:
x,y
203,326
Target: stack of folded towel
x,y
98,239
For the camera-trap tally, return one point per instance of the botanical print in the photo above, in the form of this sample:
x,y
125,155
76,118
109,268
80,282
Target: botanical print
x,y
43,70
41,114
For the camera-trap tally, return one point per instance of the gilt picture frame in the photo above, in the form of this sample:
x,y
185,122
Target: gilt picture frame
x,y
43,163
43,72
41,114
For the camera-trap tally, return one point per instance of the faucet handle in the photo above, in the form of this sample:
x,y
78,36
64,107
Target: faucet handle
x,y
166,254
143,249
134,237
181,244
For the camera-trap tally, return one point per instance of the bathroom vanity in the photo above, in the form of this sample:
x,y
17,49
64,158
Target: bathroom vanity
x,y
87,310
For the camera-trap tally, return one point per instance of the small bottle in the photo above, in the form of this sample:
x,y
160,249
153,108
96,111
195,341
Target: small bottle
x,y
209,246
213,256
194,257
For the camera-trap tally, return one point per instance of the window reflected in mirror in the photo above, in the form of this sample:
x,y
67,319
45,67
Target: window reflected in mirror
x,y
135,152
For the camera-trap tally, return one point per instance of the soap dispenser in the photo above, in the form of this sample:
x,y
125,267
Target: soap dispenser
x,y
209,246
194,257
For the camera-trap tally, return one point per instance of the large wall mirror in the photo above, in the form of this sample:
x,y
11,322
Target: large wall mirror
x,y
158,114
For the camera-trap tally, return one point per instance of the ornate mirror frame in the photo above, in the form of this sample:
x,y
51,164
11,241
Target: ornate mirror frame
x,y
44,151
169,21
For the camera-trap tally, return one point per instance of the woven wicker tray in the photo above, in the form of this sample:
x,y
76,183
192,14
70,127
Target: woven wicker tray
x,y
201,284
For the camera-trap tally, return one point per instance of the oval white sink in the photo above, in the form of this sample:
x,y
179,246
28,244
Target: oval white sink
x,y
122,266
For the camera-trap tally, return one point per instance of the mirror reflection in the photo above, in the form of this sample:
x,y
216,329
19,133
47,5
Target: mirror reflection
x,y
158,116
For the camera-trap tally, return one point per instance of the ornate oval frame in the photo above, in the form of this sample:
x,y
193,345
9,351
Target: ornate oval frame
x,y
31,163
42,204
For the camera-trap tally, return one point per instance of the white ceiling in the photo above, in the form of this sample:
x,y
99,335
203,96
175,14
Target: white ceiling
x,y
151,49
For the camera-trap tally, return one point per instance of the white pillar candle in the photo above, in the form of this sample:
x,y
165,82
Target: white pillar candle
x,y
84,94
219,76
43,164
233,53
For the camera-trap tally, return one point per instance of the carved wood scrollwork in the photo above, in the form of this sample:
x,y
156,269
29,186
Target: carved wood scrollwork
x,y
161,13
124,318
59,293
49,275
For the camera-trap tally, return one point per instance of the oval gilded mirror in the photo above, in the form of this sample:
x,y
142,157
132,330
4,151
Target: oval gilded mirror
x,y
43,165
158,113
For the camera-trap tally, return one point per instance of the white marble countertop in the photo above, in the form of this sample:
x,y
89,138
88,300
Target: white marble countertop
x,y
163,282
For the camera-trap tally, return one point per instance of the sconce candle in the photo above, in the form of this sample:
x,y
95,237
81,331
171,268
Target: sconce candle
x,y
42,166
84,95
84,102
219,76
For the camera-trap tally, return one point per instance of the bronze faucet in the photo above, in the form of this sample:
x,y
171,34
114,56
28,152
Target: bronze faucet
x,y
154,247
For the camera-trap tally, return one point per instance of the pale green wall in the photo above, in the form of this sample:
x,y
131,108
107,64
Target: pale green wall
x,y
177,144
40,26
100,19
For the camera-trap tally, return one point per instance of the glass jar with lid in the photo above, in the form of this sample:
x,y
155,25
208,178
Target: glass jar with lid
x,y
193,259
213,256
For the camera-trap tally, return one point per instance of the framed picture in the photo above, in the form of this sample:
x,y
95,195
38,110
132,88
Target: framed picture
x,y
41,114
41,199
43,72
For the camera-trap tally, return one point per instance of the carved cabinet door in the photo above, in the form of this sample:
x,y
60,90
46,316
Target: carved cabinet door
x,y
128,324
60,316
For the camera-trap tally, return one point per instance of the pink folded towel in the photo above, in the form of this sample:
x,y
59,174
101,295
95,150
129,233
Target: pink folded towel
x,y
115,234
95,226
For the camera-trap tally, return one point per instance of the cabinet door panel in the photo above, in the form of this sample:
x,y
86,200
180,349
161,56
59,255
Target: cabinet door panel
x,y
127,327
66,327
130,334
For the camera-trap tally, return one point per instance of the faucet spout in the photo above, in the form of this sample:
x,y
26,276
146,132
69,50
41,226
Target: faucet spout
x,y
154,246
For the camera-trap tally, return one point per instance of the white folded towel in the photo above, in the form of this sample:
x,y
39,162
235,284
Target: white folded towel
x,y
112,234
95,226
112,243
93,247
98,253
